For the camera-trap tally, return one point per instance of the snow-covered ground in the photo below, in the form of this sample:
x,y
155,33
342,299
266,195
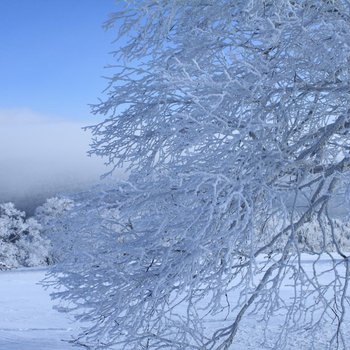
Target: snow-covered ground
x,y
28,321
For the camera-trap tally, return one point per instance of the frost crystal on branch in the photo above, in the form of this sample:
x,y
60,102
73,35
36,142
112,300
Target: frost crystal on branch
x,y
233,119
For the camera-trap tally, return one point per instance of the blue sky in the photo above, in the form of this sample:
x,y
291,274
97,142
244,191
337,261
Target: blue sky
x,y
52,54
52,58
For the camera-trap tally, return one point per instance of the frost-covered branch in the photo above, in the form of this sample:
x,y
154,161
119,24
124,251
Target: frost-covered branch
x,y
233,120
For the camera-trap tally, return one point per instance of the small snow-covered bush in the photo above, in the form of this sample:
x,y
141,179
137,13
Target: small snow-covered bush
x,y
73,225
54,217
313,237
21,243
54,208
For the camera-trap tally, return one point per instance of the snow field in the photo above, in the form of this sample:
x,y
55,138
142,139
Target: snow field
x,y
28,321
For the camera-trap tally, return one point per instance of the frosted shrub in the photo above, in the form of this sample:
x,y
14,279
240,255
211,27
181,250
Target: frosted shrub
x,y
71,224
54,217
315,238
21,243
53,208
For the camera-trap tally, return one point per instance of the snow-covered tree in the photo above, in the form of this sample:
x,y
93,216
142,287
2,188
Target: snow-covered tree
x,y
233,120
21,243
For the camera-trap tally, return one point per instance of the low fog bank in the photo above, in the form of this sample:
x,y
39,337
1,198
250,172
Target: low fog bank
x,y
41,157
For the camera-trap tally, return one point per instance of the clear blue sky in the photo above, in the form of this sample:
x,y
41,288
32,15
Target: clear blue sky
x,y
52,54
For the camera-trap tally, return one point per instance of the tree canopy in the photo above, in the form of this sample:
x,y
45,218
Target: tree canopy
x,y
232,118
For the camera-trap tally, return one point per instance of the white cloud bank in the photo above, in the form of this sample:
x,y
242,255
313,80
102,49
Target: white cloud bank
x,y
41,156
